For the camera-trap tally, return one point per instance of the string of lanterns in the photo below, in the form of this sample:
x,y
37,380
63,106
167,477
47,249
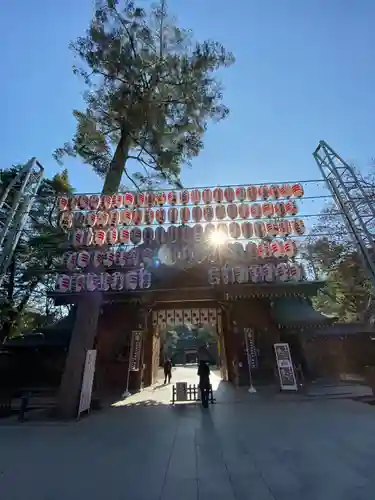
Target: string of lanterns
x,y
184,197
256,273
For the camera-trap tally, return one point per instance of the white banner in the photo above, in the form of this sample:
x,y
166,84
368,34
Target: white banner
x,y
87,382
285,367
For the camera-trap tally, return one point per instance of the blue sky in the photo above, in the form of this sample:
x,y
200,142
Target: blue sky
x,y
304,72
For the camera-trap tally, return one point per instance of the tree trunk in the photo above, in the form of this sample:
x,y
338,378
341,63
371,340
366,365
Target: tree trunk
x,y
88,309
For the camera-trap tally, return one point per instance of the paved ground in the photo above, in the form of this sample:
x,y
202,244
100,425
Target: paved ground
x,y
259,447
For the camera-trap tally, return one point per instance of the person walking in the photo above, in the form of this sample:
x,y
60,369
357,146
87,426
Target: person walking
x,y
204,382
167,371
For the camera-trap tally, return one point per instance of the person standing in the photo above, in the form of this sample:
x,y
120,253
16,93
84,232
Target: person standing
x,y
204,382
167,371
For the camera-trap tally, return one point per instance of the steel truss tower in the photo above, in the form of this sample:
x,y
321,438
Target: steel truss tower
x,y
16,200
351,196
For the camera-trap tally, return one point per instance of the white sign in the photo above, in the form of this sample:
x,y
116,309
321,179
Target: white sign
x,y
181,391
87,382
135,352
285,367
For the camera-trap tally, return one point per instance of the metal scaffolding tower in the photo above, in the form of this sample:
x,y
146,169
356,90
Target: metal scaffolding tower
x,y
16,200
352,198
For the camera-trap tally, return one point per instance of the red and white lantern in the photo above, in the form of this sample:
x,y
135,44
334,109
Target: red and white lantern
x,y
173,215
270,229
286,191
259,229
218,195
73,202
269,273
244,211
274,192
79,219
83,259
129,199
234,230
149,199
251,250
99,237
198,233
277,249
160,199
137,216
282,271
299,227
62,283
208,213
256,274
290,248
267,209
118,200
135,235
126,217
63,203
94,201
297,190
280,209
148,216
114,218
184,214
295,271
104,282
108,258
91,282
160,235
256,211
78,282
291,207
140,199
88,237
285,228
247,229
78,237
196,196
263,192
207,196
222,227
208,231
184,197
117,281
112,235
220,212
66,220
241,193
186,234
264,250
91,219
172,234
124,236
148,234
160,215
107,201
120,258
97,259
103,218
172,197
229,194
197,214
232,211
83,202
252,193
71,261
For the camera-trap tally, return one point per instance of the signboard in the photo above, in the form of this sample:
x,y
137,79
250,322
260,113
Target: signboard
x,y
251,349
181,391
135,352
87,382
285,367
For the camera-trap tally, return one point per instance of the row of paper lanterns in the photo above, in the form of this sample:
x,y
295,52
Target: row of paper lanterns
x,y
123,258
256,273
184,197
247,230
184,215
90,282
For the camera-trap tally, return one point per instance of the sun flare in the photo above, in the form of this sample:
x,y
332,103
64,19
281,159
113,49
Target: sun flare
x,y
218,238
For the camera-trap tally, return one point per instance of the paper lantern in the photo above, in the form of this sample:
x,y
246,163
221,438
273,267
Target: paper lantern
x,y
291,207
241,193
256,273
207,196
79,219
63,203
285,228
295,271
140,199
234,230
184,214
94,201
147,255
124,236
137,216
269,228
264,192
251,250
290,248
148,234
97,259
73,202
99,237
259,229
197,214
103,218
172,234
229,194
83,259
275,192
117,200
71,262
160,235
135,235
83,202
66,220
252,193
277,249
214,276
208,213
148,216
220,212
264,250
78,237
64,259
269,273
218,195
282,271
186,234
160,198
149,199
126,217
255,210
63,283
208,231
232,211
198,232
286,191
91,219
144,279
88,237
112,235
297,190
160,215
247,229
132,256
91,282
107,201
114,218
184,197
196,196
280,209
104,282
108,258
227,275
129,199
244,211
173,215
172,198
267,209
78,283
299,227
222,227
241,274
117,281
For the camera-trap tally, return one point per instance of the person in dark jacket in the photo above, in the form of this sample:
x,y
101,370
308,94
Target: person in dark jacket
x,y
167,371
204,382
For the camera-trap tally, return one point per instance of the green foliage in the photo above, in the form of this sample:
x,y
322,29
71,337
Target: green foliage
x,y
151,90
205,335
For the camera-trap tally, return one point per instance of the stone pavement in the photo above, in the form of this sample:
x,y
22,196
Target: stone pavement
x,y
246,447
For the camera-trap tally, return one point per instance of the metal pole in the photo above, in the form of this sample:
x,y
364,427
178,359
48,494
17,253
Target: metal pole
x,y
251,386
126,394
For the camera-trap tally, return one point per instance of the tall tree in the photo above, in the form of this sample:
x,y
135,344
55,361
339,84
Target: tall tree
x,y
151,91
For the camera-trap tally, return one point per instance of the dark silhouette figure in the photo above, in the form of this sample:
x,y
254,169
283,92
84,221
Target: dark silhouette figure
x,y
167,371
204,382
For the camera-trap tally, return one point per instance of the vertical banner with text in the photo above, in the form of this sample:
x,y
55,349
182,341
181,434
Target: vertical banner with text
x,y
135,351
285,367
87,382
